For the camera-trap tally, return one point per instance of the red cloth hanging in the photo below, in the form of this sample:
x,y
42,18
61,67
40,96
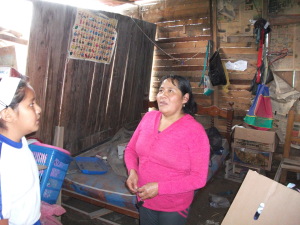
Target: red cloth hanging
x,y
259,56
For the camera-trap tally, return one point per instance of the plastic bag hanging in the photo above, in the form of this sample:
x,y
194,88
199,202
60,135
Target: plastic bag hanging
x,y
205,81
208,88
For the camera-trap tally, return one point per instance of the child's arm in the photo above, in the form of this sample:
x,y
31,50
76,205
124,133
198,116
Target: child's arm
x,y
4,222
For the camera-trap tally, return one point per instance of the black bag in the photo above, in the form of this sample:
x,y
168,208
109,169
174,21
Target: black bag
x,y
215,140
216,71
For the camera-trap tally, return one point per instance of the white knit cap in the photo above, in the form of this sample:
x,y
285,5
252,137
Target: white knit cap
x,y
8,87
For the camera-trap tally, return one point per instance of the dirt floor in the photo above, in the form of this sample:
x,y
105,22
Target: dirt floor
x,y
201,212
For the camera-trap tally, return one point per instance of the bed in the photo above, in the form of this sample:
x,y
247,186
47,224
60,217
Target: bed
x,y
109,190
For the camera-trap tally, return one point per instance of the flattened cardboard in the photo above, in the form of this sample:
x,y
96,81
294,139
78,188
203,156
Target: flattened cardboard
x,y
255,139
281,203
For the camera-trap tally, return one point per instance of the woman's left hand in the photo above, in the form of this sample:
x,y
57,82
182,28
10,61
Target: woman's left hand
x,y
147,191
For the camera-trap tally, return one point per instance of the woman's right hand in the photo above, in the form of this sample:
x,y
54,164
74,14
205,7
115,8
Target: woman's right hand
x,y
132,181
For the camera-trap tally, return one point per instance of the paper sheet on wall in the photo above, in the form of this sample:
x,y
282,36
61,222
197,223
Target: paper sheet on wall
x,y
240,65
94,37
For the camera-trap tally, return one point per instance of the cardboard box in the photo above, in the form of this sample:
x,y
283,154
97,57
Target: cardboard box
x,y
281,203
252,158
234,173
265,141
121,148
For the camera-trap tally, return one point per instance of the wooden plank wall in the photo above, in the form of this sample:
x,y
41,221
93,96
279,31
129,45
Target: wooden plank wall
x,y
92,101
285,35
184,26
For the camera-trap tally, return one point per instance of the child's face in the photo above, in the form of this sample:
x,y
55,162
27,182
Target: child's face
x,y
28,114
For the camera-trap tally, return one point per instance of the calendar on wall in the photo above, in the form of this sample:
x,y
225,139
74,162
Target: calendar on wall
x,y
94,37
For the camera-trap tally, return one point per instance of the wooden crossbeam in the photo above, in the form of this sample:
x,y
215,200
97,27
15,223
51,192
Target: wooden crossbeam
x,y
103,220
100,203
13,39
99,213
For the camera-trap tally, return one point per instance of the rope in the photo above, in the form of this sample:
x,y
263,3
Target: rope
x,y
153,42
280,55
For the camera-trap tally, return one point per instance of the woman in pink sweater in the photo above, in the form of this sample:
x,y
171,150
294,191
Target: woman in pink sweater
x,y
167,156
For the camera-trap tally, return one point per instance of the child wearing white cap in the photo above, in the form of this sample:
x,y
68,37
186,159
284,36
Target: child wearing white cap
x,y
20,200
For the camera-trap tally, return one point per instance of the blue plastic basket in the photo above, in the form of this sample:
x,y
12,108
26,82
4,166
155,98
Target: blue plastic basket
x,y
51,179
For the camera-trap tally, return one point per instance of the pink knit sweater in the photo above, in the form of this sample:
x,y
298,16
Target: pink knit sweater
x,y
177,158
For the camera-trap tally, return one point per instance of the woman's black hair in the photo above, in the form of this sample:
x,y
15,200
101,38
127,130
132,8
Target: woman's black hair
x,y
18,97
184,86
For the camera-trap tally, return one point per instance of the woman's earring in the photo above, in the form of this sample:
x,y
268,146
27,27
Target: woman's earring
x,y
183,105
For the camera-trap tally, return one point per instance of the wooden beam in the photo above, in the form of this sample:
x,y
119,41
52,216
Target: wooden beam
x,y
184,39
284,19
81,212
179,68
100,203
13,32
13,39
99,213
180,55
214,22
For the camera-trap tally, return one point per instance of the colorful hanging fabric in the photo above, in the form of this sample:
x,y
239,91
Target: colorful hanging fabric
x,y
260,56
260,114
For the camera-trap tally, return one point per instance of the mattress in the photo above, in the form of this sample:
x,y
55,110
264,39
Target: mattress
x,y
111,188
108,187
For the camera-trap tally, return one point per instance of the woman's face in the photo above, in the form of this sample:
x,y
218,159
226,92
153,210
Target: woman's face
x,y
170,99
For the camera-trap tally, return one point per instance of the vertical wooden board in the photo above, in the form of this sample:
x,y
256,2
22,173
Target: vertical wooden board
x,y
134,86
46,57
131,83
148,66
143,86
102,84
75,100
94,99
102,126
99,98
103,74
119,73
85,82
131,71
297,47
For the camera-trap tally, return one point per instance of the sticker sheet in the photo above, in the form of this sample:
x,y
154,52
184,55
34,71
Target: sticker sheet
x,y
94,37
